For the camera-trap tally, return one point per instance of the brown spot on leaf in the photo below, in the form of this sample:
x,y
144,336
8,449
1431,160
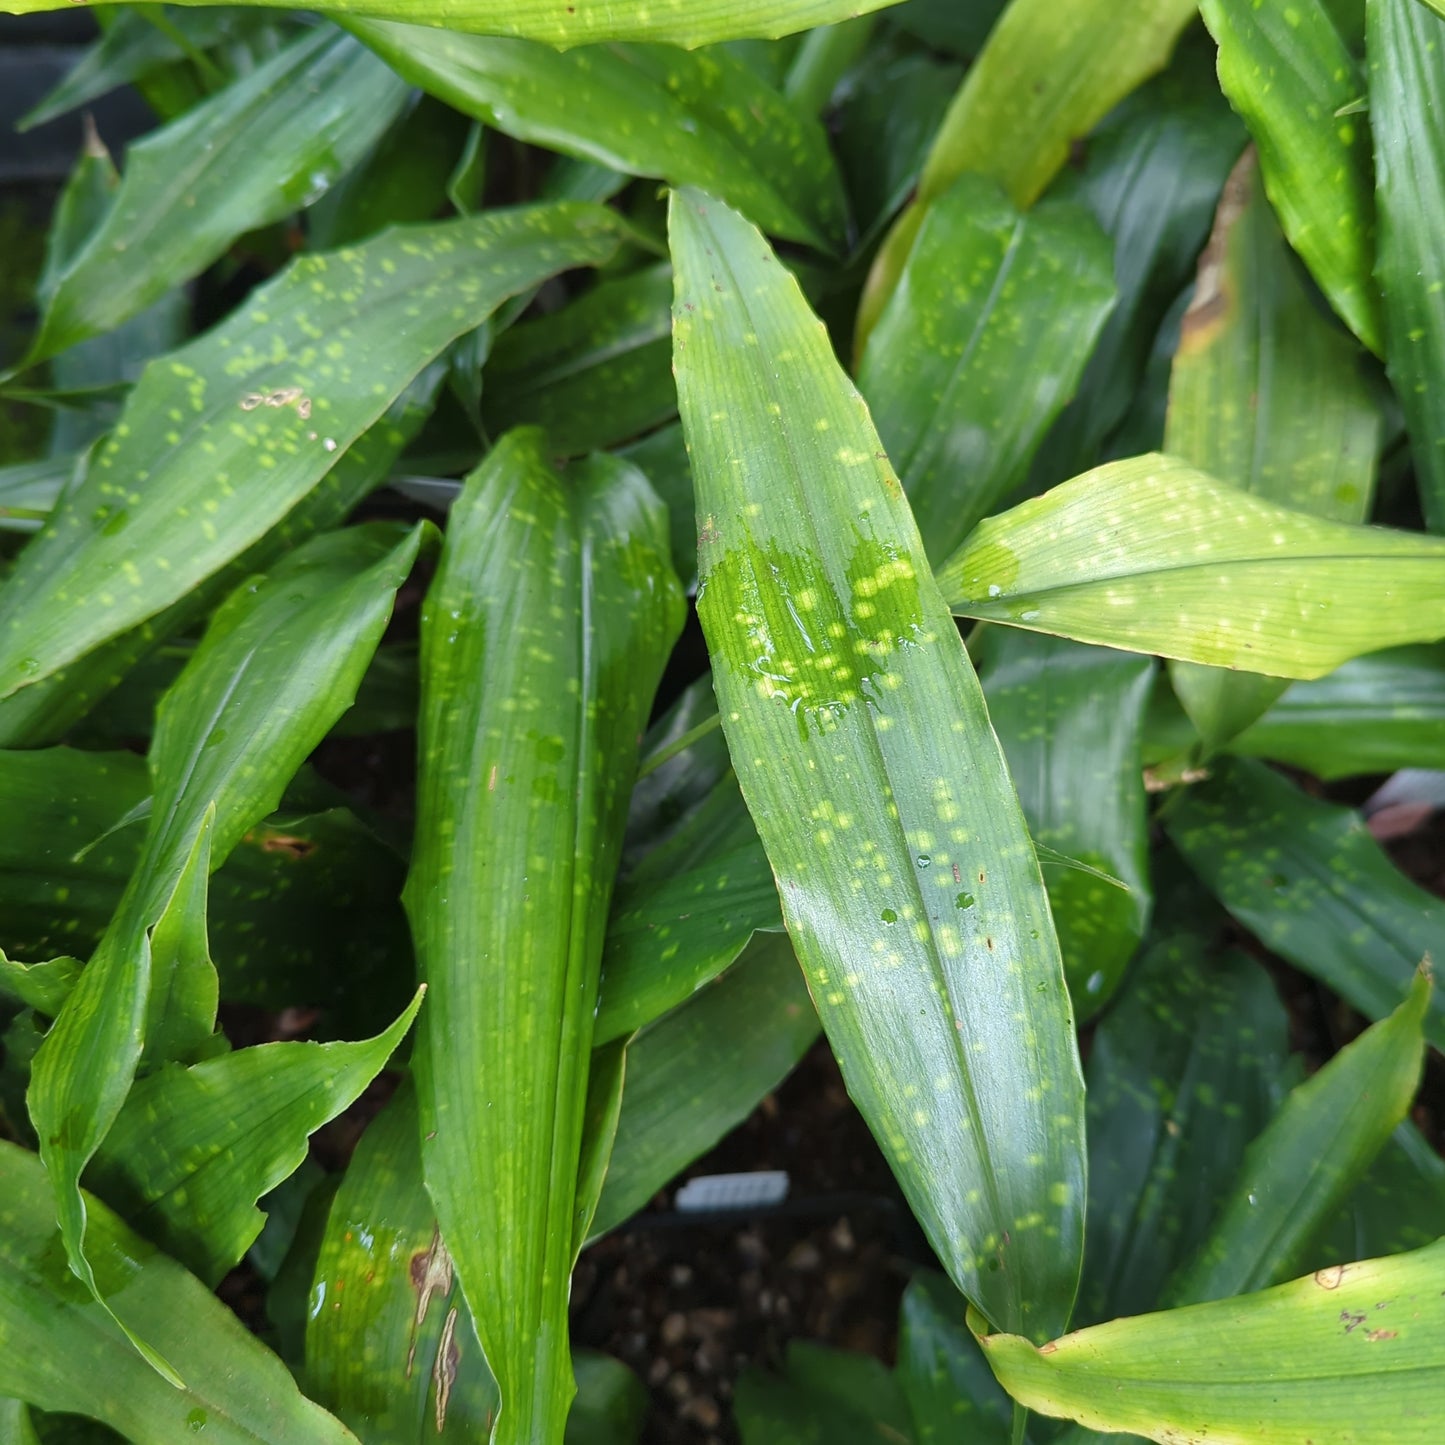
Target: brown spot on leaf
x,y
444,1367
1213,296
270,841
431,1274
1375,1336
1330,1278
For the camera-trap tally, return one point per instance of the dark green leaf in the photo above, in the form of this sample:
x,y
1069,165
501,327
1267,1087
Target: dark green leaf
x,y
59,1349
324,339
699,118
980,346
268,144
611,1402
1070,719
543,636
1407,80
591,375
858,731
42,986
663,457
1289,73
28,490
1311,882
1397,1206
825,1396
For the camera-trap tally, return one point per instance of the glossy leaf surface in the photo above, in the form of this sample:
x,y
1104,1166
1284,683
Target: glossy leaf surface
x,y
543,636
979,347
1308,879
1289,73
266,145
1287,1364
1152,555
1268,396
60,1350
1407,79
676,22
752,1025
1298,1172
242,454
1070,719
389,1341
859,736
688,118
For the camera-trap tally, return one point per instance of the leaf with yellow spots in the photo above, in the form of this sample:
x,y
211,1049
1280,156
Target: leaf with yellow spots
x,y
1152,555
543,636
220,440
1287,1364
858,732
59,1350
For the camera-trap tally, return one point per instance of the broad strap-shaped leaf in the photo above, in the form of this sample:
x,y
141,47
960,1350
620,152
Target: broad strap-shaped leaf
x,y
824,1394
674,22
611,1405
1183,1073
1290,1363
699,119
1407,79
1308,879
279,663
1299,1171
60,1350
29,490
1070,719
1044,78
979,348
389,1342
1287,70
1267,395
273,396
595,373
543,636
908,882
752,1026
1153,555
266,145
1397,1206
194,1148
42,986
1377,713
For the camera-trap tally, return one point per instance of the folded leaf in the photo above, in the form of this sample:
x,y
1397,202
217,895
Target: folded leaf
x,y
543,636
1152,555
1407,79
275,395
1291,1363
1298,1172
699,119
979,347
266,145
59,1349
908,883
1289,73
1268,396
1308,879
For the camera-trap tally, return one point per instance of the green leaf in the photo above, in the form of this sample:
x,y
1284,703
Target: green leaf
x,y
1044,78
591,375
1291,1363
951,1393
1308,879
279,663
194,1148
858,731
699,1071
336,337
1152,555
980,346
1289,73
389,1339
675,22
41,986
1397,1206
264,146
59,1349
29,490
1151,175
543,636
1407,79
1375,714
825,1396
1183,1073
1070,720
611,1402
1267,395
689,118
663,458
1299,1171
